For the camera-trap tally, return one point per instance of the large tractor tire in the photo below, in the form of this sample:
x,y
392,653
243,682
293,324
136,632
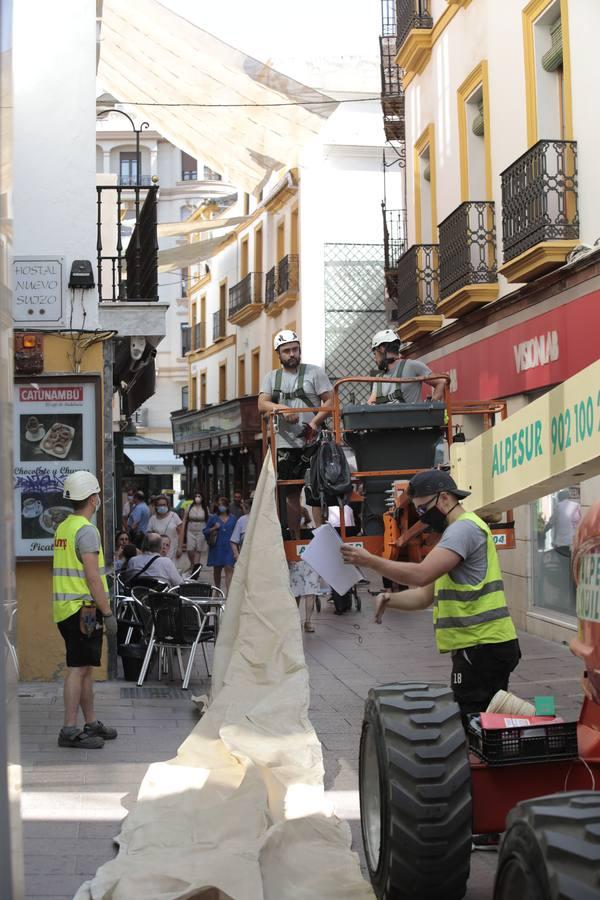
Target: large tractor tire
x,y
415,793
551,850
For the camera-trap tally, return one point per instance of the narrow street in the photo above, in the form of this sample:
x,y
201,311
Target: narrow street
x,y
73,801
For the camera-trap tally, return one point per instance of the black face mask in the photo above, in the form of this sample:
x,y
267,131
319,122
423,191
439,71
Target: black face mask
x,y
436,519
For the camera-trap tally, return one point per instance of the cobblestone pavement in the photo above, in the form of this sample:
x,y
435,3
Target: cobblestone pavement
x,y
74,800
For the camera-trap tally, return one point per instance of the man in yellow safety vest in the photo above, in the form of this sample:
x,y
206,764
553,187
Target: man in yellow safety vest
x,y
461,577
81,606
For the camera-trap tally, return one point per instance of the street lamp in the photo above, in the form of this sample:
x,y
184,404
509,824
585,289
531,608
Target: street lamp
x,y
136,131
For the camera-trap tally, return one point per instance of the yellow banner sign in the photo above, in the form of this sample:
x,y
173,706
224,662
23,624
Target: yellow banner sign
x,y
551,443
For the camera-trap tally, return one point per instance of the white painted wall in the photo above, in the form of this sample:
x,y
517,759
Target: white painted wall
x,y
55,134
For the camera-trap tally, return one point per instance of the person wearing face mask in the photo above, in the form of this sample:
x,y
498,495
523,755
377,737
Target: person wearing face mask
x,y
294,385
218,532
81,608
168,524
387,350
461,577
194,521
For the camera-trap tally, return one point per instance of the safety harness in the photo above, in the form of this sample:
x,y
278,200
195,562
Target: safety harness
x,y
396,394
298,394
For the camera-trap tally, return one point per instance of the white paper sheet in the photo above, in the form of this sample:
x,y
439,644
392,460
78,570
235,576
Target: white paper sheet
x,y
323,555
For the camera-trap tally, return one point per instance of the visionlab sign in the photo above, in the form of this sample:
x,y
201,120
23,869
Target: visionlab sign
x,y
545,350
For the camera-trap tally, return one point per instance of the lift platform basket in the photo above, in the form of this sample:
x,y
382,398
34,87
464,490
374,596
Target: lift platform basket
x,y
522,744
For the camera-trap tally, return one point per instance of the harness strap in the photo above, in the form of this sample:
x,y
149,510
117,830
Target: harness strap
x,y
297,394
396,394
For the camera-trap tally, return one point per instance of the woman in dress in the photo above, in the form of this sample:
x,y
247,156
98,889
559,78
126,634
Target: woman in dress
x,y
167,523
194,522
218,531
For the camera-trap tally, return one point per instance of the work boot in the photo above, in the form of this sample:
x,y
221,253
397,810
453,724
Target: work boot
x,y
98,729
71,736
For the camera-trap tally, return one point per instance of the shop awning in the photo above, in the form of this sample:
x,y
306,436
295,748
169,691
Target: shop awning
x,y
154,461
185,255
243,118
175,229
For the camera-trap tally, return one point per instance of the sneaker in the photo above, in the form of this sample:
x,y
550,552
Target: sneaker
x,y
308,627
98,729
485,841
79,740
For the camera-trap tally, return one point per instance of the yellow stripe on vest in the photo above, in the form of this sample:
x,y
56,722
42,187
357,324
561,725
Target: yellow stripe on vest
x,y
70,589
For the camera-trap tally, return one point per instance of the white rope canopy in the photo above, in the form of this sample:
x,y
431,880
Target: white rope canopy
x,y
185,255
175,229
149,55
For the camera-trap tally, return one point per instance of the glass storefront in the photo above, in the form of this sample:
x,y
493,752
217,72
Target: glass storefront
x,y
554,521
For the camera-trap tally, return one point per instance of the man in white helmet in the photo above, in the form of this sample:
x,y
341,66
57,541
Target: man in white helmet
x,y
387,350
81,606
295,384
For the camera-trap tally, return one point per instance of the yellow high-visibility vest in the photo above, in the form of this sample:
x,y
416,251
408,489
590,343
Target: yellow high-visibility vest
x,y
468,614
70,589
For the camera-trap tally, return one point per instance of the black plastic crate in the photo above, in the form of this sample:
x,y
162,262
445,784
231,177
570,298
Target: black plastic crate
x,y
523,743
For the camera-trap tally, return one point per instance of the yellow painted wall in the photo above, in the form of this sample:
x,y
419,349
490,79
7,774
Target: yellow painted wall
x,y
40,647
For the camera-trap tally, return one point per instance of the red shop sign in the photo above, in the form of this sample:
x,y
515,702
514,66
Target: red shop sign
x,y
544,350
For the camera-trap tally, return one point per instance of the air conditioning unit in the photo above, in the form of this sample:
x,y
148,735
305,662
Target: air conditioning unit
x,y
140,417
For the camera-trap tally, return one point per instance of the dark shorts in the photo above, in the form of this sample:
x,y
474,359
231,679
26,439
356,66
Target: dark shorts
x,y
481,671
81,650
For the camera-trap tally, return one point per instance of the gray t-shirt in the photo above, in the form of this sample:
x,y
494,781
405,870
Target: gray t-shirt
x,y
162,567
412,393
470,542
315,383
87,540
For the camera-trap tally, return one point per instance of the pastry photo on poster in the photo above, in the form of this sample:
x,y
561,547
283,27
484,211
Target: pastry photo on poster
x,y
54,434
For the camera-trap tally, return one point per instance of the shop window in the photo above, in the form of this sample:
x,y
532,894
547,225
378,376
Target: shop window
x,y
554,521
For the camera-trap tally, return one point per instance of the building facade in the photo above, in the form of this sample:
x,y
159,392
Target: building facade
x,y
280,269
499,284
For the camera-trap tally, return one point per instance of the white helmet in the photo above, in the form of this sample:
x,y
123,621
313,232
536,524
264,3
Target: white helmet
x,y
80,485
387,336
284,337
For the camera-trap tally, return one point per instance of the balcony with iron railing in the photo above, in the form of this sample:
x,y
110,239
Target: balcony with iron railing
x,y
418,291
186,339
245,299
414,28
468,268
392,93
134,181
127,249
282,284
540,217
271,291
394,246
219,325
199,336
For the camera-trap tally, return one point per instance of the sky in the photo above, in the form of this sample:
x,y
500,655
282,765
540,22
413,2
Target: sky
x,y
330,45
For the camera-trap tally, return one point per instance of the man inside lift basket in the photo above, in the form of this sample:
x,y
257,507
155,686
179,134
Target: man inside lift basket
x,y
387,350
461,577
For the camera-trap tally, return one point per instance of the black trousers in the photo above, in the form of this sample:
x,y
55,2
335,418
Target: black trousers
x,y
479,672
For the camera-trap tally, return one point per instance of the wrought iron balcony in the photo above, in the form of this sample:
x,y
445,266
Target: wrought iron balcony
x,y
411,14
394,246
245,299
418,282
199,336
129,272
271,286
467,248
132,181
219,325
186,339
392,93
539,197
288,275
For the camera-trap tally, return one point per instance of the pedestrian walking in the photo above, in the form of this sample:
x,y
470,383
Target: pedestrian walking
x,y
236,507
306,584
81,607
194,522
294,385
388,352
218,531
239,532
461,577
166,522
137,521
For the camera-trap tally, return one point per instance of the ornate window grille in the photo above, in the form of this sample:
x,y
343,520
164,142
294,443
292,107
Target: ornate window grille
x,y
467,247
411,14
199,336
539,197
418,282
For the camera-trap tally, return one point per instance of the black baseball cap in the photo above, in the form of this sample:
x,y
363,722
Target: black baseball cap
x,y
433,481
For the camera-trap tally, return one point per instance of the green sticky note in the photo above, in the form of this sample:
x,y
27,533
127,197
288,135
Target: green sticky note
x,y
544,706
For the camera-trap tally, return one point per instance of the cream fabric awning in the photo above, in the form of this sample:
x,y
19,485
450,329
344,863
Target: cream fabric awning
x,y
187,254
154,460
148,54
174,229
